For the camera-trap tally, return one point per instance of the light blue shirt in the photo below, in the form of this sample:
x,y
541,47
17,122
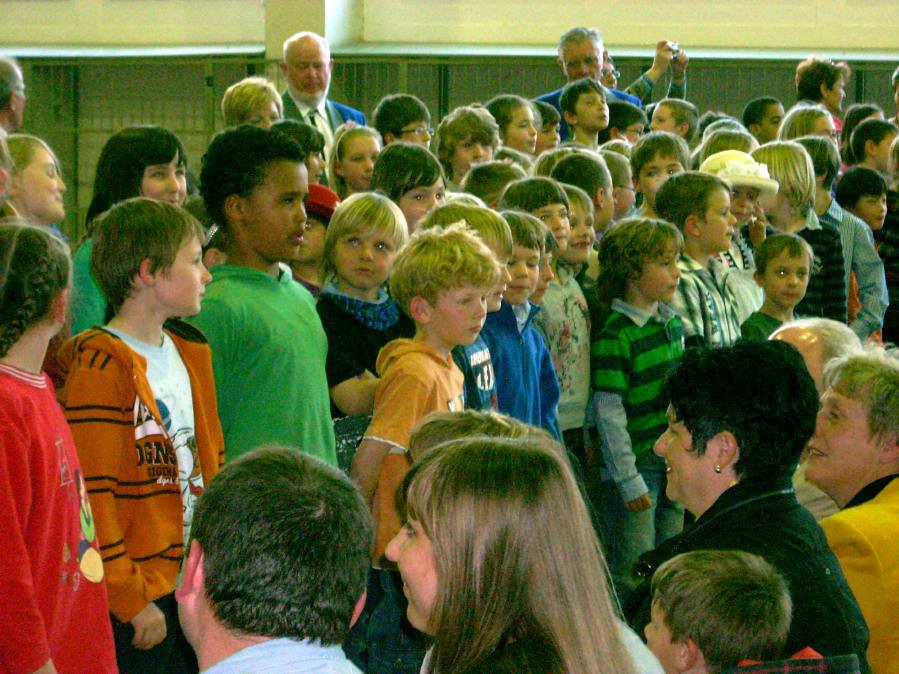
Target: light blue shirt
x,y
286,656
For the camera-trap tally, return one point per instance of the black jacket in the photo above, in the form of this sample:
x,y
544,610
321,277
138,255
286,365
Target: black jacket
x,y
762,516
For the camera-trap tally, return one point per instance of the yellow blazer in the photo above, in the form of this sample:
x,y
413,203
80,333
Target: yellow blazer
x,y
864,540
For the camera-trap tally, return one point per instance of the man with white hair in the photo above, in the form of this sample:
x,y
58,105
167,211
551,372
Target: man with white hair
x,y
12,96
307,65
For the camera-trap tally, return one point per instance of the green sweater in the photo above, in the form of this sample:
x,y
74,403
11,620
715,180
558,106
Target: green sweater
x,y
268,354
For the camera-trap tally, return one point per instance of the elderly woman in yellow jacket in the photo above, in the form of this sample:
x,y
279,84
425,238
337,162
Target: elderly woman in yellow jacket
x,y
854,457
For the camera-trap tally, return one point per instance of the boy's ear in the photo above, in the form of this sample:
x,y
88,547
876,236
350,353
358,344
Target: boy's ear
x,y
870,148
420,310
758,279
570,120
234,208
690,657
615,134
754,129
144,276
682,129
193,576
691,225
389,138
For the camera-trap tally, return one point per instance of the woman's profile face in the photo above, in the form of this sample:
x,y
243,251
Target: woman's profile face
x,y
411,550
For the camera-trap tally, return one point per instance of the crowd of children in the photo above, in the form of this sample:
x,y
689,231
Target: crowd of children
x,y
408,273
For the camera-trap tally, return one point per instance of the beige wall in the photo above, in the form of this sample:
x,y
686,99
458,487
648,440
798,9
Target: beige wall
x,y
826,25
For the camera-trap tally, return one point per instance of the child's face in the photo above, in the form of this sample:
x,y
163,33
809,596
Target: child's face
x,y
417,132
785,280
271,222
716,227
362,262
624,198
591,112
524,268
315,166
555,217
744,202
770,124
411,550
603,214
466,154
824,127
663,120
521,134
419,200
179,289
631,133
582,236
872,209
359,155
658,638
657,282
457,317
653,175
165,182
495,298
879,159
544,278
313,243
548,138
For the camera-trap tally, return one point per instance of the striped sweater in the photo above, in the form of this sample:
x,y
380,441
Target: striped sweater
x,y
826,294
129,462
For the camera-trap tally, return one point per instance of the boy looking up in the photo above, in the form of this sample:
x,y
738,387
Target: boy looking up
x,y
526,384
632,350
267,341
656,157
783,264
140,400
698,204
583,105
441,279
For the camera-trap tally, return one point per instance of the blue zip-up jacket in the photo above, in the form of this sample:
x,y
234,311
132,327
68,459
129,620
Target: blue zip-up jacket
x,y
526,384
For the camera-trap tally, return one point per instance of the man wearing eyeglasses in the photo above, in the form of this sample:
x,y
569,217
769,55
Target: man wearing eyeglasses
x,y
307,66
581,54
12,96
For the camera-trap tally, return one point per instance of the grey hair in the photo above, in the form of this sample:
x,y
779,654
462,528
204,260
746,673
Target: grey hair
x,y
577,35
870,377
10,79
837,339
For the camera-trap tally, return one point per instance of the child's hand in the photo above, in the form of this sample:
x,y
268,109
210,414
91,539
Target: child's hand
x,y
679,66
639,504
149,627
757,227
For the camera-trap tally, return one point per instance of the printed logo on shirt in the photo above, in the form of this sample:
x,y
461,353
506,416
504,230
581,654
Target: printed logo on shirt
x,y
158,456
456,404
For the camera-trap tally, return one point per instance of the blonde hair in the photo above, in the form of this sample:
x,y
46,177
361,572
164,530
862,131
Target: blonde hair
x,y
872,378
800,120
440,427
440,259
548,159
242,98
725,139
22,148
498,511
791,166
363,213
344,134
618,146
486,223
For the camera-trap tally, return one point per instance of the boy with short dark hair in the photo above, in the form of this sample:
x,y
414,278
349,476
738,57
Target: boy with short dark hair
x,y
139,398
656,157
698,204
636,343
488,180
548,137
871,141
676,116
590,173
526,384
262,325
403,117
712,609
863,192
783,265
545,199
583,105
627,122
762,117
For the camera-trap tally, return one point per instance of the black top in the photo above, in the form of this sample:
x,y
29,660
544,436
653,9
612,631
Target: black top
x,y
353,346
762,516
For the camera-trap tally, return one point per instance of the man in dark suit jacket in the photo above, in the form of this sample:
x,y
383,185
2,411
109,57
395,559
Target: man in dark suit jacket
x,y
307,66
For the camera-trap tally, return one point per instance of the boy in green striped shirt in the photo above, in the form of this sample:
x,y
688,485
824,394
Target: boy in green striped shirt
x,y
633,349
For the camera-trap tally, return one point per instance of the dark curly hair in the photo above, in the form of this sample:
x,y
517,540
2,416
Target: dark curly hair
x,y
236,162
34,269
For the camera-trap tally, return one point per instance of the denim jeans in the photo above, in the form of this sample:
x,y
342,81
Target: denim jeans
x,y
629,534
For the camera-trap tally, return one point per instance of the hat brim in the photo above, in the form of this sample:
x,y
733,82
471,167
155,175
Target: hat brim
x,y
766,186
